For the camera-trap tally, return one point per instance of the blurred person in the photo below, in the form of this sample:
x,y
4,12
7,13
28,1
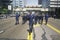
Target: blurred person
x,y
36,18
24,18
46,18
27,16
54,16
41,18
17,18
31,21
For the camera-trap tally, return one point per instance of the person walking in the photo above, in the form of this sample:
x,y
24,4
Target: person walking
x,y
31,22
46,18
23,19
41,19
54,16
36,18
17,18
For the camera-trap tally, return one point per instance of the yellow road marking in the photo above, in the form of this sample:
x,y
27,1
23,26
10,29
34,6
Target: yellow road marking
x,y
55,29
37,25
30,37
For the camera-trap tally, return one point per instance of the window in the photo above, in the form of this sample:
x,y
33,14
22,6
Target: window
x,y
20,1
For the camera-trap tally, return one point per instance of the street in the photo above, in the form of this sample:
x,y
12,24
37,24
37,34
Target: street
x,y
29,19
10,31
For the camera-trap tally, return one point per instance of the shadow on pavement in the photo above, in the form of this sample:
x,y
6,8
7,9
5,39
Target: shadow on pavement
x,y
43,35
34,34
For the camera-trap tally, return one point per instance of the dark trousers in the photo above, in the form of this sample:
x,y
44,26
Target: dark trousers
x,y
41,20
17,21
31,27
24,19
36,19
46,20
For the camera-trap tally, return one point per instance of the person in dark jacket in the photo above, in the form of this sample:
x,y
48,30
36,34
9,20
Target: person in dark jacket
x,y
41,18
46,18
27,16
31,21
36,18
54,16
17,18
24,19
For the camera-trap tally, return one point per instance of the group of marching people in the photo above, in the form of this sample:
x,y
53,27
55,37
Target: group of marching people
x,y
33,18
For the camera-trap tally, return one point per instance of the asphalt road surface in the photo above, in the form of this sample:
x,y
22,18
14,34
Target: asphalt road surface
x,y
10,31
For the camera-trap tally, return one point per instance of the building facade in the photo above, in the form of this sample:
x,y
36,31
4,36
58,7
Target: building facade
x,y
39,2
4,4
55,7
54,3
44,3
18,3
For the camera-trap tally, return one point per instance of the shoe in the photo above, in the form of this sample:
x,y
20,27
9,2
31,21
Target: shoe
x,y
29,33
15,23
28,30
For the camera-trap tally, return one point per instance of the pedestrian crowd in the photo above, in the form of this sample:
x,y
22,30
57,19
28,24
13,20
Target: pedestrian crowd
x,y
33,18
